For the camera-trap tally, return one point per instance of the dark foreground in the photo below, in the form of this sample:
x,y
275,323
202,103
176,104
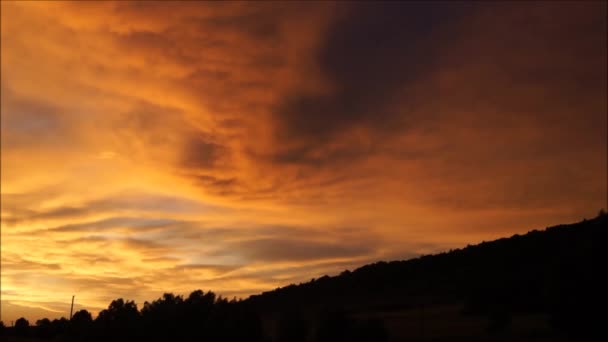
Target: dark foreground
x,y
541,286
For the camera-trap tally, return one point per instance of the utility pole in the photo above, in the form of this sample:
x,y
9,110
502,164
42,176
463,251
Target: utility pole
x,y
72,308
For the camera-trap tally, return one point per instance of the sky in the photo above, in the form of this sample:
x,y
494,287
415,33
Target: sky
x,y
151,147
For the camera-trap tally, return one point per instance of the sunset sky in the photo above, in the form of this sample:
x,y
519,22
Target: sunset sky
x,y
152,147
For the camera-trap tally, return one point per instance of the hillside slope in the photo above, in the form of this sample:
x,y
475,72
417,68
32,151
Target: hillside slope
x,y
549,278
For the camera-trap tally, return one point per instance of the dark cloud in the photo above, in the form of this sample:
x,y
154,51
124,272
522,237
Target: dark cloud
x,y
519,61
222,186
155,45
259,22
147,246
135,223
27,122
21,264
396,66
147,127
118,204
161,259
372,54
520,191
311,155
146,117
201,153
93,258
142,245
220,269
281,249
109,282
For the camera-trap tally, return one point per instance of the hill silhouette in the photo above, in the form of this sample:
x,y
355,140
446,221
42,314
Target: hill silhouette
x,y
540,286
555,273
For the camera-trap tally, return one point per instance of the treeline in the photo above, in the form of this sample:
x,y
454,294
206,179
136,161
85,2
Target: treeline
x,y
199,317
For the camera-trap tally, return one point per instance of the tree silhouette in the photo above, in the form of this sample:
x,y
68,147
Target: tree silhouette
x,y
43,328
197,311
22,327
81,324
119,319
163,316
59,326
119,310
82,317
